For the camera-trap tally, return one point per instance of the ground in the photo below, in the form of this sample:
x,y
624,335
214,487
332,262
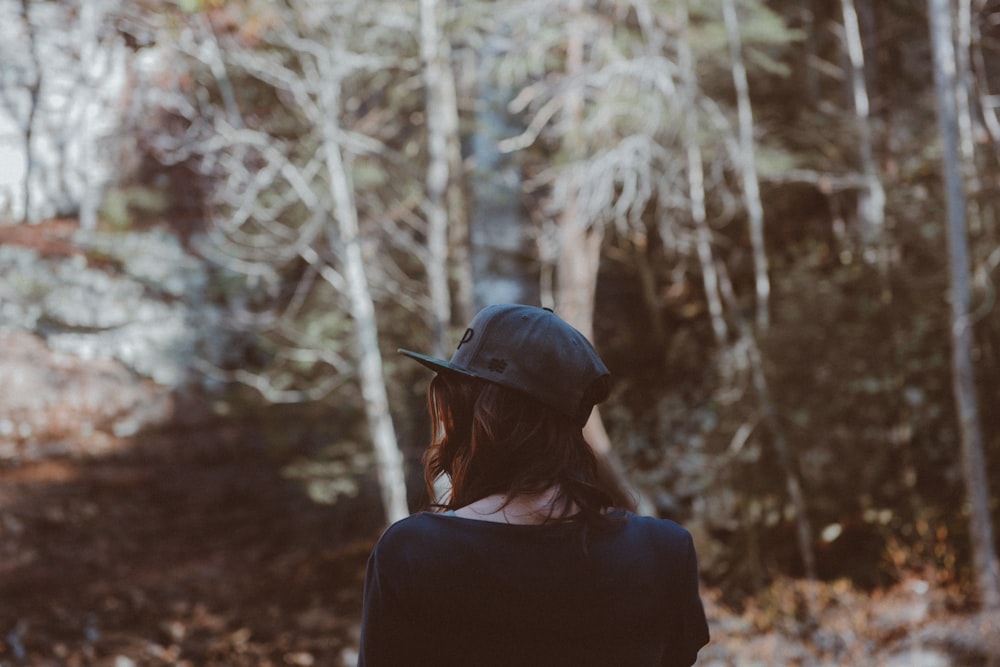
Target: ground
x,y
174,553
192,549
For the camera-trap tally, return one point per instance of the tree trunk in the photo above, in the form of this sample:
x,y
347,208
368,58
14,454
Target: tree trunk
x,y
91,14
748,167
871,202
389,459
964,88
437,173
34,90
460,264
577,267
696,185
984,554
579,244
964,84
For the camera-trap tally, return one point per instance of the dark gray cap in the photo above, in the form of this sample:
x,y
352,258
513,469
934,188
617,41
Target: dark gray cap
x,y
531,350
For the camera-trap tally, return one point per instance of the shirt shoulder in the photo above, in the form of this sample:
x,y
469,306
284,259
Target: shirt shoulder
x,y
661,533
408,533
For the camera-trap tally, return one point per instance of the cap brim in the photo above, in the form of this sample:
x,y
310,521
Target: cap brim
x,y
437,365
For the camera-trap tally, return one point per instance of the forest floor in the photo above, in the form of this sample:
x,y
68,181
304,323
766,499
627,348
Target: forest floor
x,y
187,555
174,554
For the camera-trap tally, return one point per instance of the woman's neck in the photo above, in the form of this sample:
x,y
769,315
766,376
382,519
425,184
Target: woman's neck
x,y
524,508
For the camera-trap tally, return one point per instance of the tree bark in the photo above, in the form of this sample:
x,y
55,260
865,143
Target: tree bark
x,y
460,257
389,459
89,201
871,203
984,554
748,167
91,15
964,89
696,185
964,84
576,273
34,91
437,173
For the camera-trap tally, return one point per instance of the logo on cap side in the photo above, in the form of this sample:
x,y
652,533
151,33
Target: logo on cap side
x,y
466,337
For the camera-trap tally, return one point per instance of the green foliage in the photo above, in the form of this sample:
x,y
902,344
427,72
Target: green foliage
x,y
765,36
190,6
121,206
334,474
761,26
774,161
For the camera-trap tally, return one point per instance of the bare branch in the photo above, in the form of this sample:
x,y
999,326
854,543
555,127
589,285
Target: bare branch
x,y
265,385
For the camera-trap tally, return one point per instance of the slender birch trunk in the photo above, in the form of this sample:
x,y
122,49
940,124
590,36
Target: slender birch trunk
x,y
389,459
871,203
696,185
984,554
460,265
437,173
89,41
450,279
964,83
748,167
964,87
34,92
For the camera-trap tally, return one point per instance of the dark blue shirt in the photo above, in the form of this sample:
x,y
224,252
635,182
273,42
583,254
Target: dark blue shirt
x,y
443,590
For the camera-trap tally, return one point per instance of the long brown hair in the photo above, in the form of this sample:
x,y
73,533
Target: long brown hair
x,y
489,439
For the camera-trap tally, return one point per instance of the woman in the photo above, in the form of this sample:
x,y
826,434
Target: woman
x,y
526,562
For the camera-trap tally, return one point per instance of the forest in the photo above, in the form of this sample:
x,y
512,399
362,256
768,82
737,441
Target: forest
x,y
778,221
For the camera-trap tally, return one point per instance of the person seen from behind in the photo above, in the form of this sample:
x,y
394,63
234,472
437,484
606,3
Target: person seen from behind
x,y
527,562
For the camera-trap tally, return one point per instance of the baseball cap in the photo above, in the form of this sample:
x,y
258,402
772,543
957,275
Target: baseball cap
x,y
531,350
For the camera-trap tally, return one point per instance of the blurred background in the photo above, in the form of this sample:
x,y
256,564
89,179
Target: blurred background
x,y
779,221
